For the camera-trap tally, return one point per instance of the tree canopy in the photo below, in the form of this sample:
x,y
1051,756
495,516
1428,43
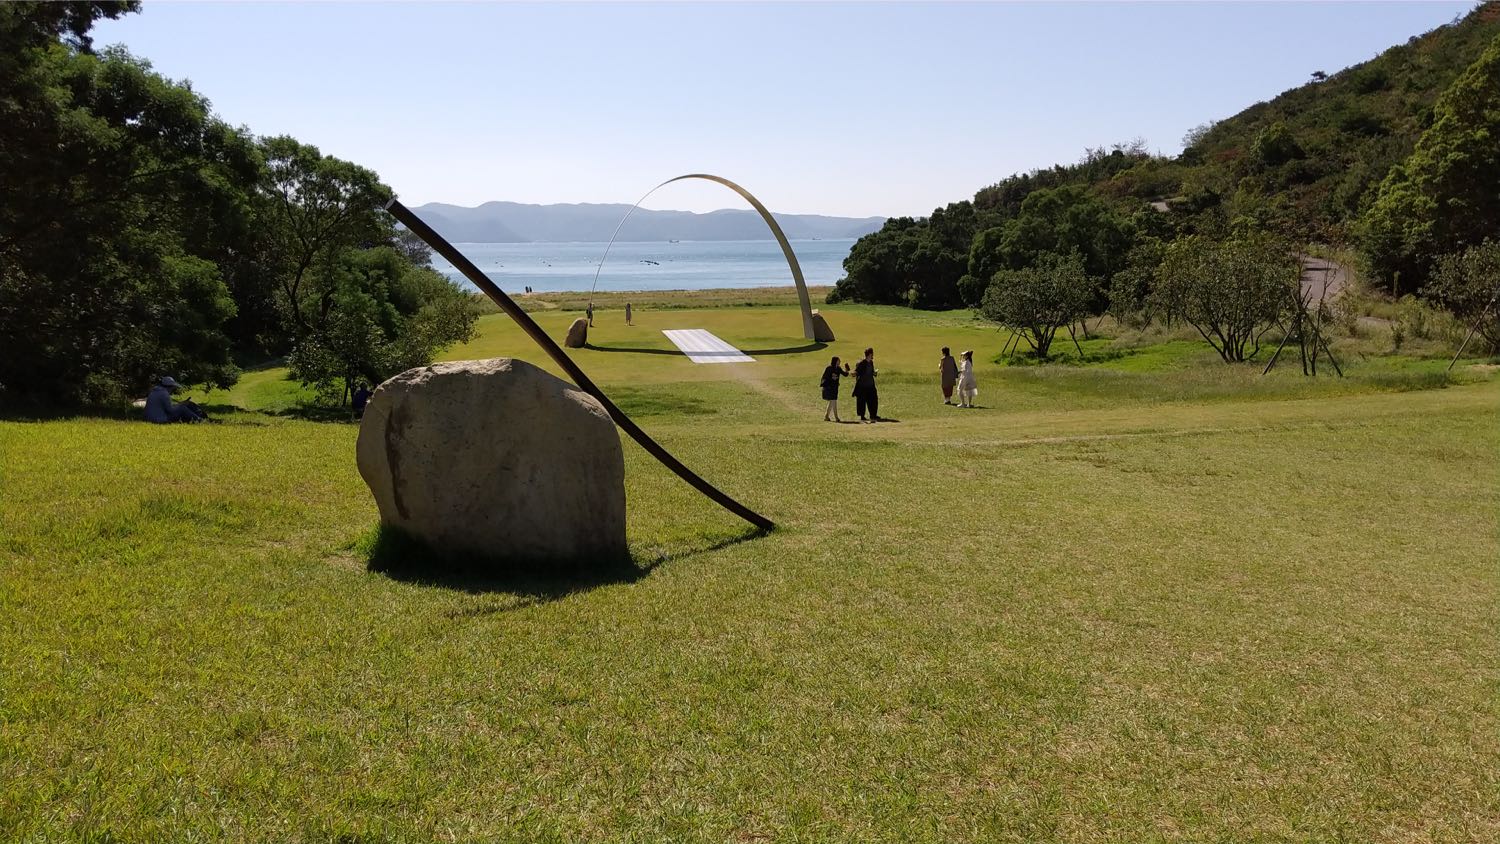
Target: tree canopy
x,y
118,189
140,235
1036,300
1446,195
1231,291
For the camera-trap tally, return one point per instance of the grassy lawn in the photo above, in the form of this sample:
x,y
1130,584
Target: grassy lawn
x,y
1151,598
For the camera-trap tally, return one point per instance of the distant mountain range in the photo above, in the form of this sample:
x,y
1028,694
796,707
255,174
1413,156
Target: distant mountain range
x,y
512,222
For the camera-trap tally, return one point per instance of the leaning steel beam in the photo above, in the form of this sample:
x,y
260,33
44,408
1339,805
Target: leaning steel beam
x,y
508,305
786,247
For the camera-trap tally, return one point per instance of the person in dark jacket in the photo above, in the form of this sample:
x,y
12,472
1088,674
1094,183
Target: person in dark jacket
x,y
830,384
865,395
161,410
360,400
948,372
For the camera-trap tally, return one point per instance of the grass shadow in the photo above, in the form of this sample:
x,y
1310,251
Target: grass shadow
x,y
395,554
42,412
315,413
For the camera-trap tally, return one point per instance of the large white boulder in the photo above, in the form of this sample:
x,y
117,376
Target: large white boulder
x,y
499,459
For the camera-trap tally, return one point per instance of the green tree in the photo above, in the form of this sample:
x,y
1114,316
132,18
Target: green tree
x,y
875,269
1275,146
1130,289
1036,301
1446,195
1065,220
1468,284
911,262
985,259
1230,291
118,190
314,208
385,316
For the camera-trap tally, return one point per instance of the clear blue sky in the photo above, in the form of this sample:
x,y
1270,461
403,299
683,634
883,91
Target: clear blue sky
x,y
836,108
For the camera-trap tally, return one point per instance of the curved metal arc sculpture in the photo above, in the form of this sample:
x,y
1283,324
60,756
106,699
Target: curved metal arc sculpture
x,y
786,247
508,305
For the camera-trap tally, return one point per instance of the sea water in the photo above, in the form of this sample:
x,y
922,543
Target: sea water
x,y
658,265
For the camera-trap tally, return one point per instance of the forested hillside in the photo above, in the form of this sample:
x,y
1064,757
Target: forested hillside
x,y
1394,158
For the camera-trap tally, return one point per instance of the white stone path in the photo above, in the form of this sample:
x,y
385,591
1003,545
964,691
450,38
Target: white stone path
x,y
703,347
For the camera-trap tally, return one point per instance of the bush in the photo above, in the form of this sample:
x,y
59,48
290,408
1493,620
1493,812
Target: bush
x,y
1231,291
1467,283
1038,300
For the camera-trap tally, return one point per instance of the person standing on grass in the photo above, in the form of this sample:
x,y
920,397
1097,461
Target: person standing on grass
x,y
865,394
968,388
948,371
830,384
627,313
360,400
590,312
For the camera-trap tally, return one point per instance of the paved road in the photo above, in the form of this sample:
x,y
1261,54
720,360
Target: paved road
x,y
1318,272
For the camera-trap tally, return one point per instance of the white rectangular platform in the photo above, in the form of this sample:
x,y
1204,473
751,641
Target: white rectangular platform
x,y
703,347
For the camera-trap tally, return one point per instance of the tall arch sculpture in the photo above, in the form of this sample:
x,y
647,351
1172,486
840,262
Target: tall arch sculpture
x,y
786,248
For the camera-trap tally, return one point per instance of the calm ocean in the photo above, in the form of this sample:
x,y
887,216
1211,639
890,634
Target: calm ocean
x,y
686,265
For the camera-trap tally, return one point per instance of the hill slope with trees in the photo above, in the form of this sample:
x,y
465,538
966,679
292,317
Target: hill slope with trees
x,y
1392,157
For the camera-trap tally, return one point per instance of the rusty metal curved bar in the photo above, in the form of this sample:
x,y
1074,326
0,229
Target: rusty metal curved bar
x,y
786,247
511,309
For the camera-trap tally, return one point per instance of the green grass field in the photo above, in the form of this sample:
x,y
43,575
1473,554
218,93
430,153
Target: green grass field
x,y
1154,598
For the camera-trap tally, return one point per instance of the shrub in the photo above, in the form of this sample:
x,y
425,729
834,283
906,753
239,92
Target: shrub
x,y
1036,301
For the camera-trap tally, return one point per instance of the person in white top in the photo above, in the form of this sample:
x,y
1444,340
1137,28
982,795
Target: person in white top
x,y
967,387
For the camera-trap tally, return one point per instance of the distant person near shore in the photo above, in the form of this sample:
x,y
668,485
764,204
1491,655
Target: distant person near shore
x,y
865,394
830,384
627,313
589,311
948,371
968,388
161,410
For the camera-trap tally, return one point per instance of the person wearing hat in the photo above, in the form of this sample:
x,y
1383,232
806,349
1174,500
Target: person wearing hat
x,y
967,387
161,410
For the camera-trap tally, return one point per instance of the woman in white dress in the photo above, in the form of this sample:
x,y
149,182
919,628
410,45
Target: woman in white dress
x,y
967,387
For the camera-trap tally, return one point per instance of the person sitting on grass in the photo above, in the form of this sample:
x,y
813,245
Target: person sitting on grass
x,y
161,410
830,384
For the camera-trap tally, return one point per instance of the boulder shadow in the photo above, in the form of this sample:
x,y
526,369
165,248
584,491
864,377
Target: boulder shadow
x,y
395,554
